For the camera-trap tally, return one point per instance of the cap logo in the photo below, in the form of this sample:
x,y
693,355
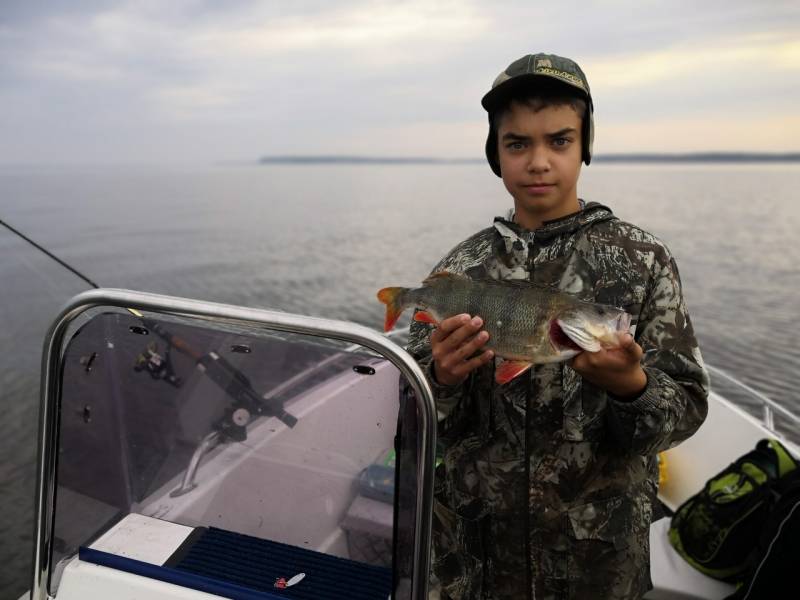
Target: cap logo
x,y
568,77
543,62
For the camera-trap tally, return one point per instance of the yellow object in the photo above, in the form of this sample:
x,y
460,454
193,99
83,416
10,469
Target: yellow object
x,y
662,469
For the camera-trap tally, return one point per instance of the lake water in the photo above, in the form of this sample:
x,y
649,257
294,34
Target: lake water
x,y
322,239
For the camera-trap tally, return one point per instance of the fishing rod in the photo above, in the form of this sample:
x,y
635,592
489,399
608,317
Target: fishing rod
x,y
231,380
224,374
50,254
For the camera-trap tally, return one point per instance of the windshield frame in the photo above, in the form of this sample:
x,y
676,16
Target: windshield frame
x,y
54,345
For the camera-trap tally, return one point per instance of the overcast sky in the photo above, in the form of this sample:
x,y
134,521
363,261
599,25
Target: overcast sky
x,y
85,81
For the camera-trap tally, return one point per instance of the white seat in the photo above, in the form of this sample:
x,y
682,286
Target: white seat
x,y
673,577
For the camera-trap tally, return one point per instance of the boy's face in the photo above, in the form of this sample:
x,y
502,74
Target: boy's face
x,y
540,161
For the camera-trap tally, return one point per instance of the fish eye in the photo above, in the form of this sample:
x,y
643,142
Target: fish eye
x,y
601,311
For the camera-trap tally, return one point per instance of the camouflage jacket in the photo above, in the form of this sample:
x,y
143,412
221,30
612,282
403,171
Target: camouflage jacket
x,y
546,486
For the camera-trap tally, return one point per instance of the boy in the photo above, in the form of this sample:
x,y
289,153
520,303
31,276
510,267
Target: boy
x,y
547,482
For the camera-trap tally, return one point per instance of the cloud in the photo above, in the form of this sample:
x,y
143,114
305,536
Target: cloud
x,y
736,55
184,64
371,26
192,101
243,78
75,69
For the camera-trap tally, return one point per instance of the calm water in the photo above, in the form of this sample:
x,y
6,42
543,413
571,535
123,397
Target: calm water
x,y
320,240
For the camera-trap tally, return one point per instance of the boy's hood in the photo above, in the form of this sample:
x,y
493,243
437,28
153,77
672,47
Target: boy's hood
x,y
590,213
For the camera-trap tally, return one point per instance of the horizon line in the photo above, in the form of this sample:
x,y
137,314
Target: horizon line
x,y
713,156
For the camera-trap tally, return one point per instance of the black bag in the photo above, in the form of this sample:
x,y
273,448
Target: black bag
x,y
772,570
717,530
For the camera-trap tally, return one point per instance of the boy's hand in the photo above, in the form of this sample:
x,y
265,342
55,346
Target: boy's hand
x,y
454,344
617,370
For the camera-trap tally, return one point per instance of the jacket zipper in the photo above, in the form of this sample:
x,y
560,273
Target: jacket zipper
x,y
528,396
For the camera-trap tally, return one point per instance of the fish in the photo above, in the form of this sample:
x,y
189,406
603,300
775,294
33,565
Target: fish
x,y
528,323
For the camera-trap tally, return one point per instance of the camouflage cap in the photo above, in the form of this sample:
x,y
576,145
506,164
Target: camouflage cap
x,y
545,71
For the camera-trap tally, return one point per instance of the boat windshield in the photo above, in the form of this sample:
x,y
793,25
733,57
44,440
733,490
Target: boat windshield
x,y
212,424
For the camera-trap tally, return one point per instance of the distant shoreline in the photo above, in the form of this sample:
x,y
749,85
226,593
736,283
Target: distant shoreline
x,y
697,157
701,157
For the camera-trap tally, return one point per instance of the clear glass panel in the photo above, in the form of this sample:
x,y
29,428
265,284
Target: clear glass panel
x,y
284,437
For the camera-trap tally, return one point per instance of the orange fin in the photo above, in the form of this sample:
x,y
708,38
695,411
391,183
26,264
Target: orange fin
x,y
392,298
509,369
425,317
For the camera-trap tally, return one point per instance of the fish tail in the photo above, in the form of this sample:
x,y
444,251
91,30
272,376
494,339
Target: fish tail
x,y
393,298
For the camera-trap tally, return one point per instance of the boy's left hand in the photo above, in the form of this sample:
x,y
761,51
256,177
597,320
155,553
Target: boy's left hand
x,y
617,370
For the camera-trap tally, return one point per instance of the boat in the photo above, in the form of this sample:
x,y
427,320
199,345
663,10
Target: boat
x,y
197,450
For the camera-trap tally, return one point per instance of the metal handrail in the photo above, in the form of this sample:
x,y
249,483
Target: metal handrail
x,y
276,321
768,404
187,481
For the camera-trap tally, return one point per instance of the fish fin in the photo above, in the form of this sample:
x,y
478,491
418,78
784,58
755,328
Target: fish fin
x,y
425,317
442,275
392,297
521,284
580,337
509,369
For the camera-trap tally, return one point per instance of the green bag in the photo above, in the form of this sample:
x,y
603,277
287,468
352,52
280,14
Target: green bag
x,y
718,528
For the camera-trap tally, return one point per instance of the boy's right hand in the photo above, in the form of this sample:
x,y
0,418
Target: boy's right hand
x,y
454,344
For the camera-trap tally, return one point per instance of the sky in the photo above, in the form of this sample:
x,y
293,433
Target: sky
x,y
199,81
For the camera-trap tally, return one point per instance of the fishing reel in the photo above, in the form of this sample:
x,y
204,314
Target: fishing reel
x,y
157,365
246,402
233,424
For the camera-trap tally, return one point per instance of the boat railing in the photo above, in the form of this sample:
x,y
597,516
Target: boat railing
x,y
187,482
767,405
